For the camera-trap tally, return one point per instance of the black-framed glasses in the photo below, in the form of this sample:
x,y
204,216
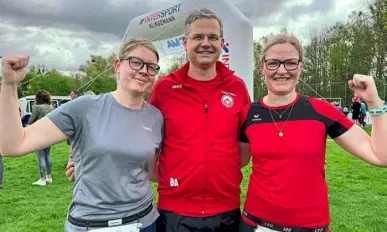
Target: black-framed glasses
x,y
289,64
137,64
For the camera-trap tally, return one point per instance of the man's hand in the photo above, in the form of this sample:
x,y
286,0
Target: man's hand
x,y
70,171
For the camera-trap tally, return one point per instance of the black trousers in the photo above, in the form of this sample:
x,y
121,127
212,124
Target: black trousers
x,y
224,222
244,227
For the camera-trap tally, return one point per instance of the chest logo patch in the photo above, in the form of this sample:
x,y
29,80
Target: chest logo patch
x,y
227,100
147,128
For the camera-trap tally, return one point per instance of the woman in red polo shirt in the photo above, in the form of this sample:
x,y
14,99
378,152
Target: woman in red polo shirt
x,y
287,135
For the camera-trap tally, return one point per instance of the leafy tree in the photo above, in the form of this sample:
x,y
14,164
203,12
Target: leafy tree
x,y
98,75
40,78
53,82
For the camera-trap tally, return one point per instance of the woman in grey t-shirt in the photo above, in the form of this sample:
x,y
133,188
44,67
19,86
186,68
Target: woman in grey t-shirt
x,y
114,137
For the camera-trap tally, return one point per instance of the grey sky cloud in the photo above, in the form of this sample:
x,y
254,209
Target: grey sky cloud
x,y
64,33
113,16
93,15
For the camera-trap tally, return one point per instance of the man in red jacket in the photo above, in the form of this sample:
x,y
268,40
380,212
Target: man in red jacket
x,y
199,165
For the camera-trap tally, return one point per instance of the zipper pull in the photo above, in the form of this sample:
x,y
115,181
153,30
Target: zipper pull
x,y
206,108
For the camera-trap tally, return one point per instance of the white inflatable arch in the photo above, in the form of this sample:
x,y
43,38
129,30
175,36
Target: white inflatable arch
x,y
165,27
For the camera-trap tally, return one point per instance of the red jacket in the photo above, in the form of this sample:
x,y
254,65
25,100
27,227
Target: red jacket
x,y
199,165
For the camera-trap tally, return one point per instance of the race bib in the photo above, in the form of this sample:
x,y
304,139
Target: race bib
x,y
124,228
264,229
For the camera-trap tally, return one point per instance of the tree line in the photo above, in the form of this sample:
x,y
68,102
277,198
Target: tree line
x,y
95,75
334,54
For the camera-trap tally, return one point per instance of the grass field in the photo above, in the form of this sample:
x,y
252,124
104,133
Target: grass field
x,y
358,194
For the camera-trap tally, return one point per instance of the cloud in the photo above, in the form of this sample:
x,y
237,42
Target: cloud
x,y
56,48
64,33
302,18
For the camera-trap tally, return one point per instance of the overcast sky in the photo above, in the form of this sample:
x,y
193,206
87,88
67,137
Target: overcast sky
x,y
63,33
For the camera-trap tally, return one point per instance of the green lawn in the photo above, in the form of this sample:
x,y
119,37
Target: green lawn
x,y
358,194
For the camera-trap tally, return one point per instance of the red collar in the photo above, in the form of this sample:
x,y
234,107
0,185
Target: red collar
x,y
224,72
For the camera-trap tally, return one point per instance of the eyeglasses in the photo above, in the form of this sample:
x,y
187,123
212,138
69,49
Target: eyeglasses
x,y
137,64
200,37
289,64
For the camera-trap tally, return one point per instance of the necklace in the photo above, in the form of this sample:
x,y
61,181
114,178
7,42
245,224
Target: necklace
x,y
280,115
281,130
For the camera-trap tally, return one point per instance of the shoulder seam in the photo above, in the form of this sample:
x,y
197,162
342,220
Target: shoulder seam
x,y
240,81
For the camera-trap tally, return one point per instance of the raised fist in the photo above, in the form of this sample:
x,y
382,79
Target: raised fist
x,y
14,68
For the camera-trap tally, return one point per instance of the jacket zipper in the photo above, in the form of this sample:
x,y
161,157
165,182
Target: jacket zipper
x,y
206,149
206,156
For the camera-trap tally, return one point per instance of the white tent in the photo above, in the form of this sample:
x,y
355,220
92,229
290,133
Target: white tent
x,y
165,27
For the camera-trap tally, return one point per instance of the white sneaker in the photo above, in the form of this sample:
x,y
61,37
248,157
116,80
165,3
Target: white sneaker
x,y
49,180
39,182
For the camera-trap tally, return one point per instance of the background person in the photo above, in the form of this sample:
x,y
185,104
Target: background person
x,y
40,109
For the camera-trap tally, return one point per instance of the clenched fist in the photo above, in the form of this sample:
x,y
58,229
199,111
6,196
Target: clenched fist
x,y
365,87
14,68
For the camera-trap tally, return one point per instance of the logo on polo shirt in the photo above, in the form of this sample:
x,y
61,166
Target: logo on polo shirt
x,y
177,86
173,182
256,118
227,100
147,128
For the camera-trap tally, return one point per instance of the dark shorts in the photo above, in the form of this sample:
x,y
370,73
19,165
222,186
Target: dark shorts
x,y
245,227
355,110
151,228
225,222
355,115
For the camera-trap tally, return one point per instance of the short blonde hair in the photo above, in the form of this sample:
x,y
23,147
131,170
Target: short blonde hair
x,y
134,43
283,38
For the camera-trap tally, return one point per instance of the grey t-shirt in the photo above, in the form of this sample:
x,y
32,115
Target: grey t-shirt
x,y
112,146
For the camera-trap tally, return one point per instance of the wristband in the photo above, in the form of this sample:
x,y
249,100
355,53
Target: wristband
x,y
378,111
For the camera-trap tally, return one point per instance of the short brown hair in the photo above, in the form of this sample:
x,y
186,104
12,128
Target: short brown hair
x,y
283,38
42,97
201,13
134,43
76,92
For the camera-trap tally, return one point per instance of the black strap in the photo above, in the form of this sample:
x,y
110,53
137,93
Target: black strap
x,y
282,228
95,223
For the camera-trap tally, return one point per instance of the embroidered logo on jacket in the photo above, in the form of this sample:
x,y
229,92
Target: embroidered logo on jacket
x,y
227,100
